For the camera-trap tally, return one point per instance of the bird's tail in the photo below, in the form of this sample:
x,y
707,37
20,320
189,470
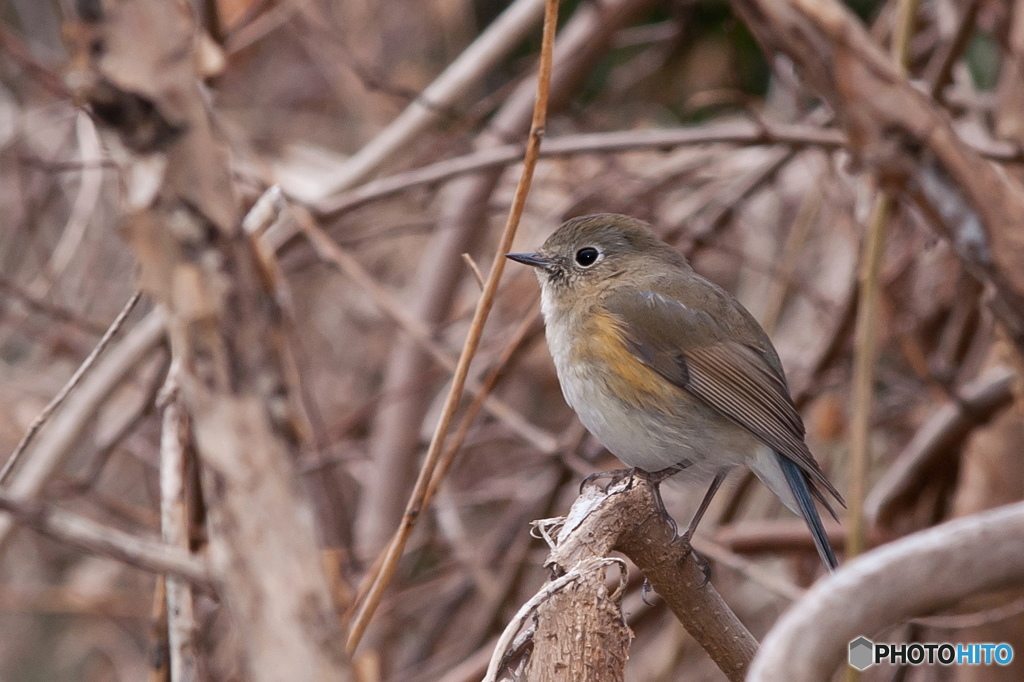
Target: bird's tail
x,y
801,489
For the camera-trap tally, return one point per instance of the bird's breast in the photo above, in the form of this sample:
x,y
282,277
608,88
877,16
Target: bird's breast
x,y
620,400
641,417
602,355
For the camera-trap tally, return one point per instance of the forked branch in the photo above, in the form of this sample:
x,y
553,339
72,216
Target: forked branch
x,y
626,517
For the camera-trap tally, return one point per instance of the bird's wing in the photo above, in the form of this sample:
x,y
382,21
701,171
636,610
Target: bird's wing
x,y
690,349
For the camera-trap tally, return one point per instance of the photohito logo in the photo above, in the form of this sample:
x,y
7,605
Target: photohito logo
x,y
864,653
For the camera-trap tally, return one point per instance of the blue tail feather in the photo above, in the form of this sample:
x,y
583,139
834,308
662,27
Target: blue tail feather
x,y
798,483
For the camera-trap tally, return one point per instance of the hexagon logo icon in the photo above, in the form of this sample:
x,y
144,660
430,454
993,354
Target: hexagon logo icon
x,y
862,653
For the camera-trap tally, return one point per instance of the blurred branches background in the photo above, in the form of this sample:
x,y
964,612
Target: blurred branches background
x,y
394,131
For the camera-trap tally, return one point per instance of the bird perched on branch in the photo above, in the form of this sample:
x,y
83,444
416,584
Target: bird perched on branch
x,y
669,371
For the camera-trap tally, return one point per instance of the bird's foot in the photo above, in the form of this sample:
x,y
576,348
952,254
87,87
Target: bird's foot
x,y
645,591
613,476
658,477
655,479
702,564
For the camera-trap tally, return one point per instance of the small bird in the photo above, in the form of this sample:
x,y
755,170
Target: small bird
x,y
669,371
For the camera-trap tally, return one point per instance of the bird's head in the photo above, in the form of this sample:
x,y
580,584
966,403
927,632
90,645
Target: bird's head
x,y
589,254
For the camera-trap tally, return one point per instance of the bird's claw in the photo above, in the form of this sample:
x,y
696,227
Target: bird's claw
x,y
613,476
705,569
701,563
658,477
645,590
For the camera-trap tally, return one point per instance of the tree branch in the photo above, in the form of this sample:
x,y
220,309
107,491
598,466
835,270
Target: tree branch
x,y
136,64
914,576
99,539
627,518
937,440
379,579
890,126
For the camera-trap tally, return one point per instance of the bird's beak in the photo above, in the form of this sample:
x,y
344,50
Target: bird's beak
x,y
532,259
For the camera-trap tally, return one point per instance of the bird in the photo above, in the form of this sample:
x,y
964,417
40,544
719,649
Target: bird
x,y
668,370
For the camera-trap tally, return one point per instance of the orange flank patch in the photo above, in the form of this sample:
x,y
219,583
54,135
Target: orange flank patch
x,y
626,377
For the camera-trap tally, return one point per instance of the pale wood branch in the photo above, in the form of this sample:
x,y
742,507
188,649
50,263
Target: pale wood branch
x,y
182,629
218,290
94,537
626,517
379,579
916,575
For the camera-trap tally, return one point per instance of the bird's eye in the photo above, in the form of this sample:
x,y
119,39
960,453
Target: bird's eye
x,y
587,256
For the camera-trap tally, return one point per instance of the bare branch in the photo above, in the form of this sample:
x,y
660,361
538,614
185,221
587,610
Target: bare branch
x,y
99,539
379,580
174,524
938,439
626,517
914,576
475,62
738,133
75,379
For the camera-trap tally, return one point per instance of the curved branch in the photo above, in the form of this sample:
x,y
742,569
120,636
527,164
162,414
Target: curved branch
x,y
626,517
914,576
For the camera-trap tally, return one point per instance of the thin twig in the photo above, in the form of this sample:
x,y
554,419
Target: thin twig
x,y
864,355
329,250
395,548
480,400
477,60
174,526
41,418
474,268
738,133
866,332
86,534
734,133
